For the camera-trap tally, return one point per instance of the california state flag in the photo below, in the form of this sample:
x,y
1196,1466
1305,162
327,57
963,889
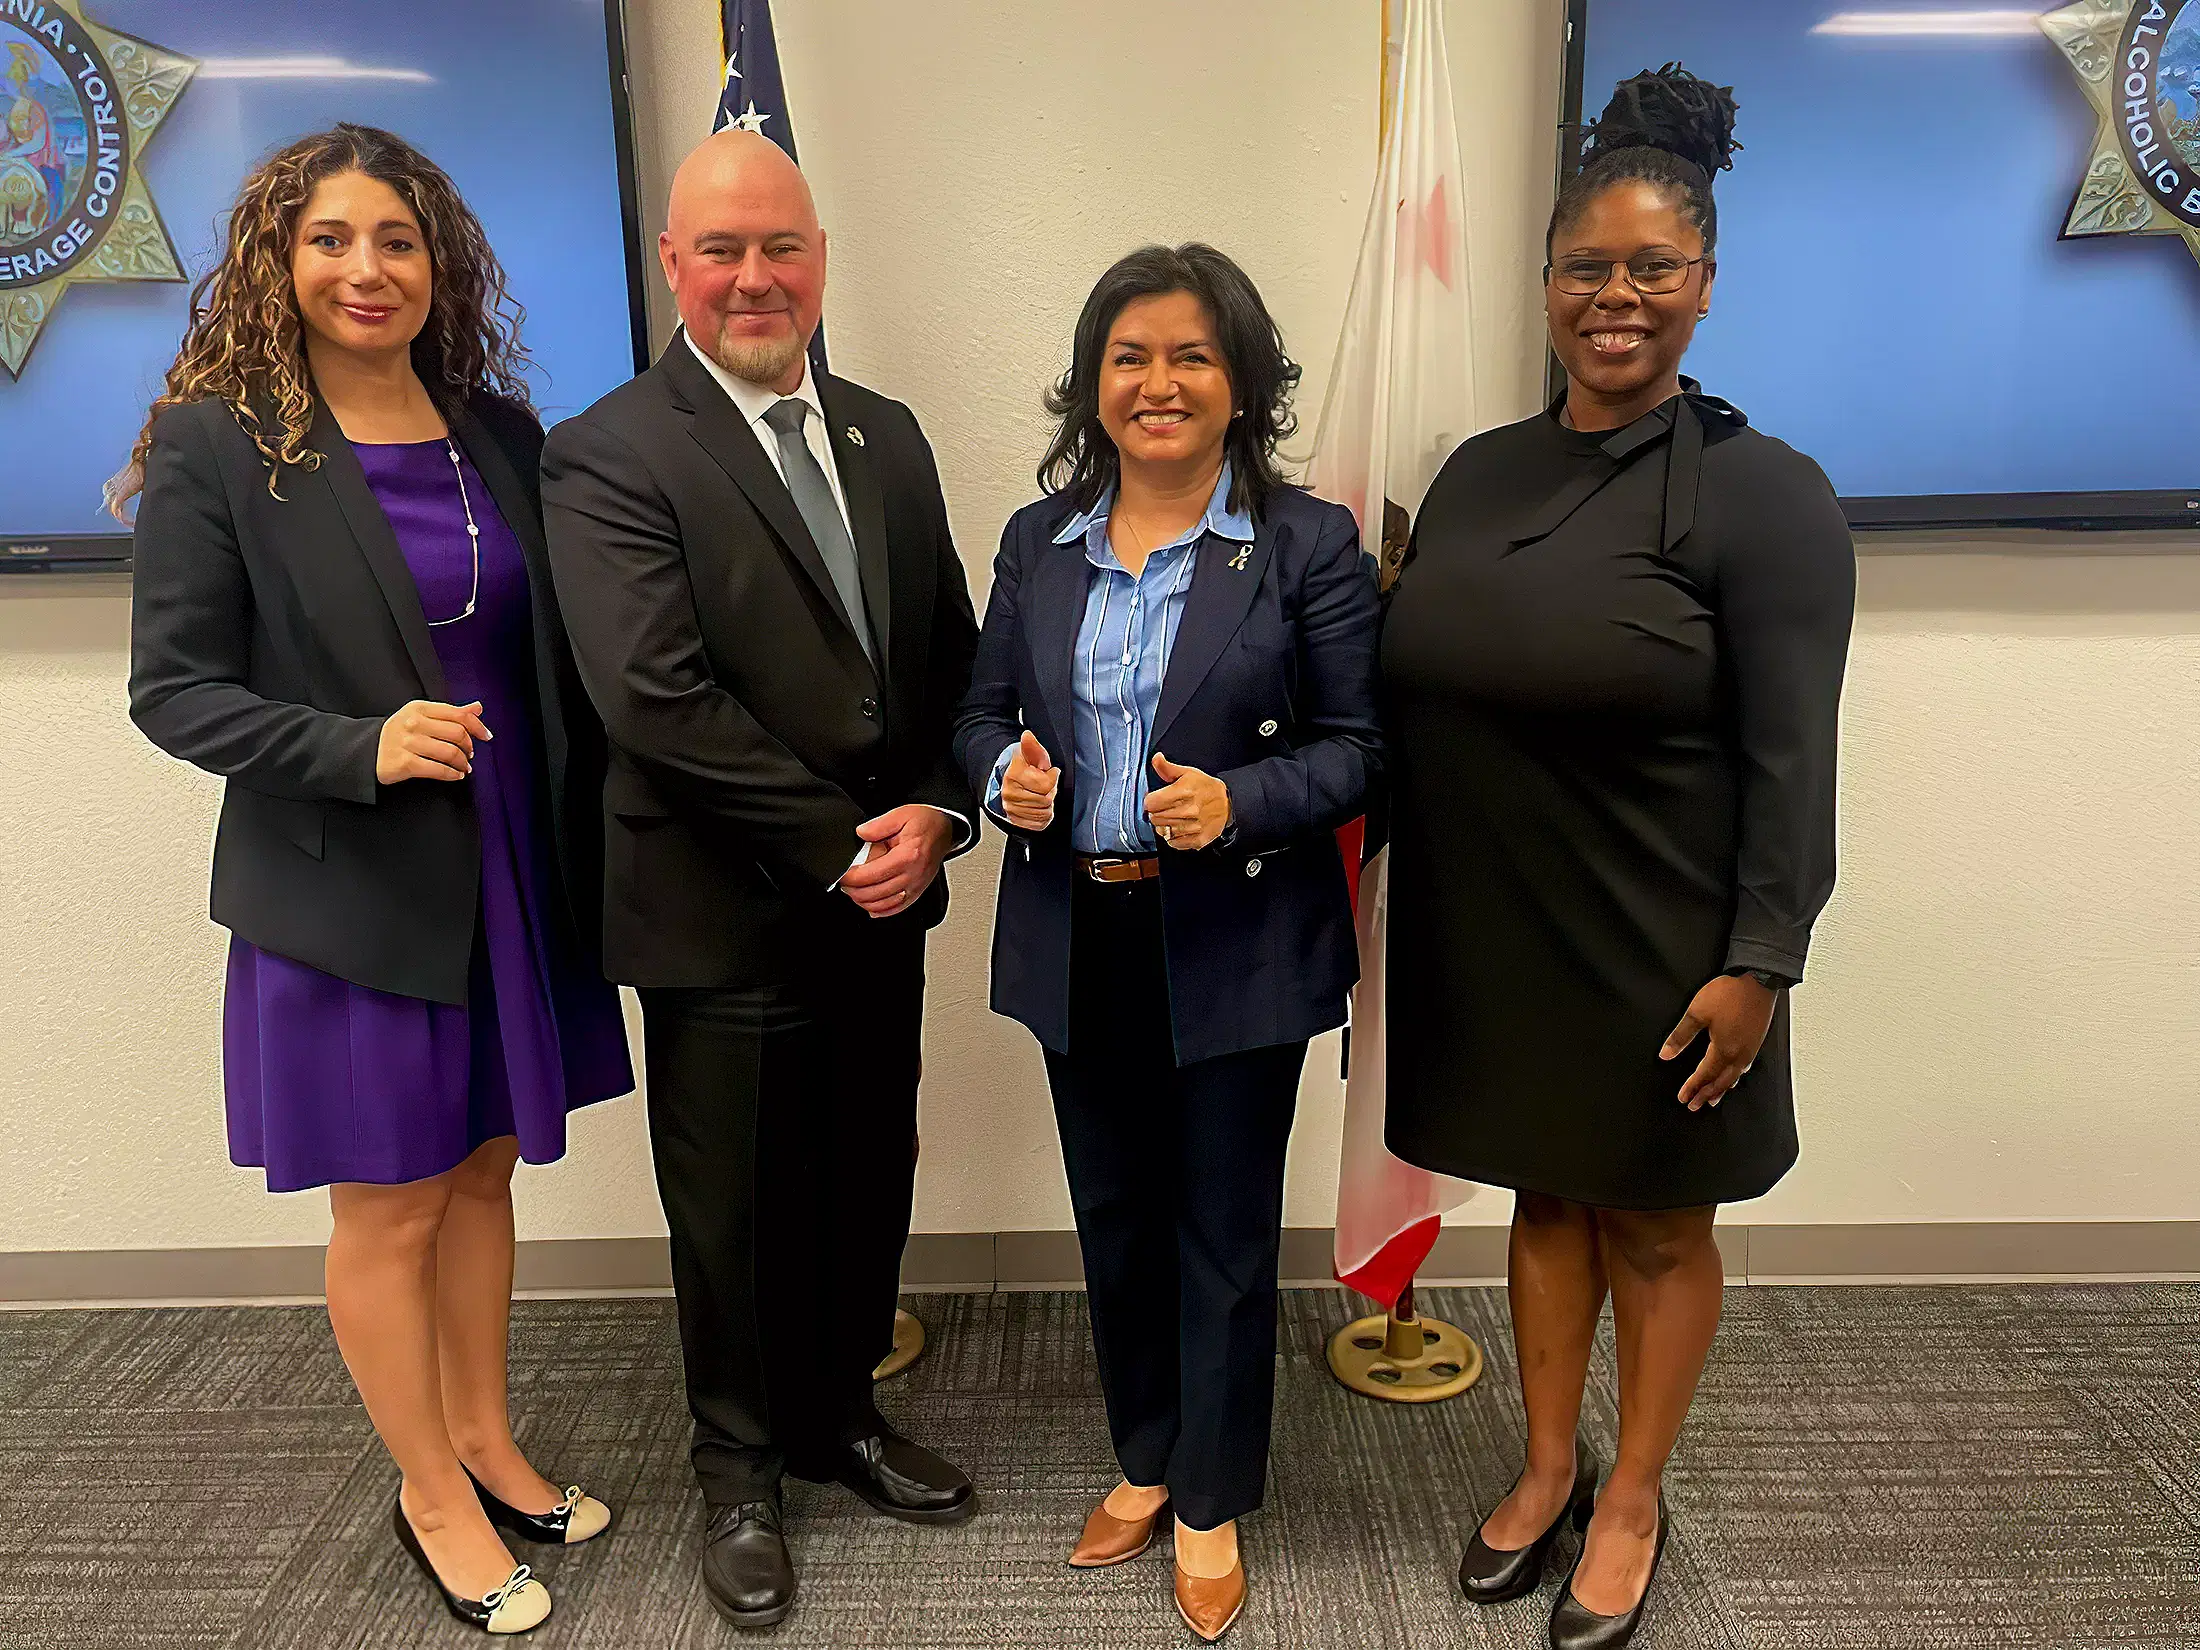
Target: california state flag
x,y
1400,398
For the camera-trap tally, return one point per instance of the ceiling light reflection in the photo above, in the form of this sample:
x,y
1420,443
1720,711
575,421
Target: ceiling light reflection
x,y
1921,24
303,68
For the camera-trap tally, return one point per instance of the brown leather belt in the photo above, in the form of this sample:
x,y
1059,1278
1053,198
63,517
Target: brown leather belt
x,y
1119,867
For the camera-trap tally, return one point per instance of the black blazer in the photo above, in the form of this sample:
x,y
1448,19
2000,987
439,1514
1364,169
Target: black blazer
x,y
1271,688
270,639
749,734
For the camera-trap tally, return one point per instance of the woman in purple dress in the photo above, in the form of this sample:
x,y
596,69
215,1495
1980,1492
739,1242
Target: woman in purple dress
x,y
342,606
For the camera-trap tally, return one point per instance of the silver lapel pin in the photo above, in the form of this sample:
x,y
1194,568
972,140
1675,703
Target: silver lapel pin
x,y
855,435
1238,561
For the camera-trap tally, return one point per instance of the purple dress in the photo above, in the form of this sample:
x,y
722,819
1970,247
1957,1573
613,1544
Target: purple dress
x,y
330,1081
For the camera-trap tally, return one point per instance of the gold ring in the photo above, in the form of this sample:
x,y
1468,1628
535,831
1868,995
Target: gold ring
x,y
1168,835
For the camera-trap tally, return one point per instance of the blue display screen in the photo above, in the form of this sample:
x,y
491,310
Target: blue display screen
x,y
513,98
1895,296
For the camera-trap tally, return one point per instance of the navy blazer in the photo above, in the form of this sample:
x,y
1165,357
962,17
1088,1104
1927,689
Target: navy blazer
x,y
1271,688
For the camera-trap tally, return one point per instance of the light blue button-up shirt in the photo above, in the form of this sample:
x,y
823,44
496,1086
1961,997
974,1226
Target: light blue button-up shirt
x,y
1121,661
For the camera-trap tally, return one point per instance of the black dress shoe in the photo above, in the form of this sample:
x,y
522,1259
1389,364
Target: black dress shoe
x,y
1576,1628
1488,1576
576,1518
902,1479
747,1572
519,1606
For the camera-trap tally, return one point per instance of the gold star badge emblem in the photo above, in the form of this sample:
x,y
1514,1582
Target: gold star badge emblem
x,y
2138,62
78,103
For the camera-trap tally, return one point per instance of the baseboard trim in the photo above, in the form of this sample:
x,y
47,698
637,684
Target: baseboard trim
x,y
981,1262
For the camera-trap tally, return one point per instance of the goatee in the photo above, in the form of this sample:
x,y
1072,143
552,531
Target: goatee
x,y
759,360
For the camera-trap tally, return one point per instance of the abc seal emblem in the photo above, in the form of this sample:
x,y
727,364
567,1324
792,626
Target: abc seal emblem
x,y
77,104
2138,62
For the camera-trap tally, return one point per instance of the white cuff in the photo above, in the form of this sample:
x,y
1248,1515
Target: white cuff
x,y
962,824
863,852
863,849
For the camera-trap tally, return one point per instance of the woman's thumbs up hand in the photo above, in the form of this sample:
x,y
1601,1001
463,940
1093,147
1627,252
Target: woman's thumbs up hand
x,y
1027,789
1190,809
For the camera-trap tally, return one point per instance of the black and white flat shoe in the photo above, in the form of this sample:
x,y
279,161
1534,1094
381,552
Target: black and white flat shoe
x,y
576,1518
519,1606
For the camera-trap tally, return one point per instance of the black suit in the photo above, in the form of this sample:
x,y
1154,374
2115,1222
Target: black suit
x,y
272,636
749,736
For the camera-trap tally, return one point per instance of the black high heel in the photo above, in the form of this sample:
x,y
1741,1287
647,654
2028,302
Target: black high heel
x,y
1488,1576
1574,1627
519,1606
577,1518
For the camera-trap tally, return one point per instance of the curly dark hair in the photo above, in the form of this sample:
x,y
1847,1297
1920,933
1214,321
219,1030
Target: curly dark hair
x,y
246,341
1665,127
1081,462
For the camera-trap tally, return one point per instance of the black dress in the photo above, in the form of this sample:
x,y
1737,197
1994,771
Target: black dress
x,y
1613,675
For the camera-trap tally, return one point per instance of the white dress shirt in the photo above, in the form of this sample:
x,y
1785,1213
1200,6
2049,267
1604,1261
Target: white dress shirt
x,y
754,401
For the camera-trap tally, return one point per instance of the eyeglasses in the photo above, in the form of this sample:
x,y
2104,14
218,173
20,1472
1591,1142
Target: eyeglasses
x,y
1653,273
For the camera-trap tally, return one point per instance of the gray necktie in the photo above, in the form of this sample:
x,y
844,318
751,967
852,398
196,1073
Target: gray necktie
x,y
813,496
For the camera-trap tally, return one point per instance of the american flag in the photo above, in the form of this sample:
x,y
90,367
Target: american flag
x,y
755,98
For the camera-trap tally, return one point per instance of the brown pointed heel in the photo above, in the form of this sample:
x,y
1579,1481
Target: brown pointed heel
x,y
1112,1540
1209,1607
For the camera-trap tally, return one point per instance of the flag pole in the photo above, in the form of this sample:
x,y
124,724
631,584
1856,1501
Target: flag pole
x,y
1404,1357
1382,90
1400,1355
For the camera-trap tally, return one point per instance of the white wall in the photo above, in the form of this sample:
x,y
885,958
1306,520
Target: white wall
x,y
2001,1020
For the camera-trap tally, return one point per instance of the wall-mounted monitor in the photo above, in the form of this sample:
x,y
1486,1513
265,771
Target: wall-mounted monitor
x,y
1959,256
127,125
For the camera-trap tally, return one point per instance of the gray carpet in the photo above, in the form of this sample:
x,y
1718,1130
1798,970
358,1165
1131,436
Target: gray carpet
x,y
1894,1468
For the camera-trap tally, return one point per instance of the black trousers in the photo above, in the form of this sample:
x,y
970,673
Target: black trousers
x,y
1176,1176
783,1122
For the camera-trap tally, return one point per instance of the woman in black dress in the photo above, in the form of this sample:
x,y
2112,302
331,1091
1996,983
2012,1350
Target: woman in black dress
x,y
1614,673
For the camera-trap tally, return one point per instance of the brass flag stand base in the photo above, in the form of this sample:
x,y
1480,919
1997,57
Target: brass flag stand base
x,y
1404,1357
908,1346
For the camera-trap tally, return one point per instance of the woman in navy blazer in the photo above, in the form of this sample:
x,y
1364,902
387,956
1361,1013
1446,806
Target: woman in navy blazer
x,y
1172,710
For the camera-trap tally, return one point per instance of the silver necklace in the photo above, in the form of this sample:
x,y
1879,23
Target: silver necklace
x,y
473,539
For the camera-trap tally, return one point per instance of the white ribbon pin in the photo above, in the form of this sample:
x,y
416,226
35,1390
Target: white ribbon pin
x,y
855,435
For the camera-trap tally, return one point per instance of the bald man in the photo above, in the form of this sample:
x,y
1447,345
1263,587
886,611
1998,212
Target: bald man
x,y
768,610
